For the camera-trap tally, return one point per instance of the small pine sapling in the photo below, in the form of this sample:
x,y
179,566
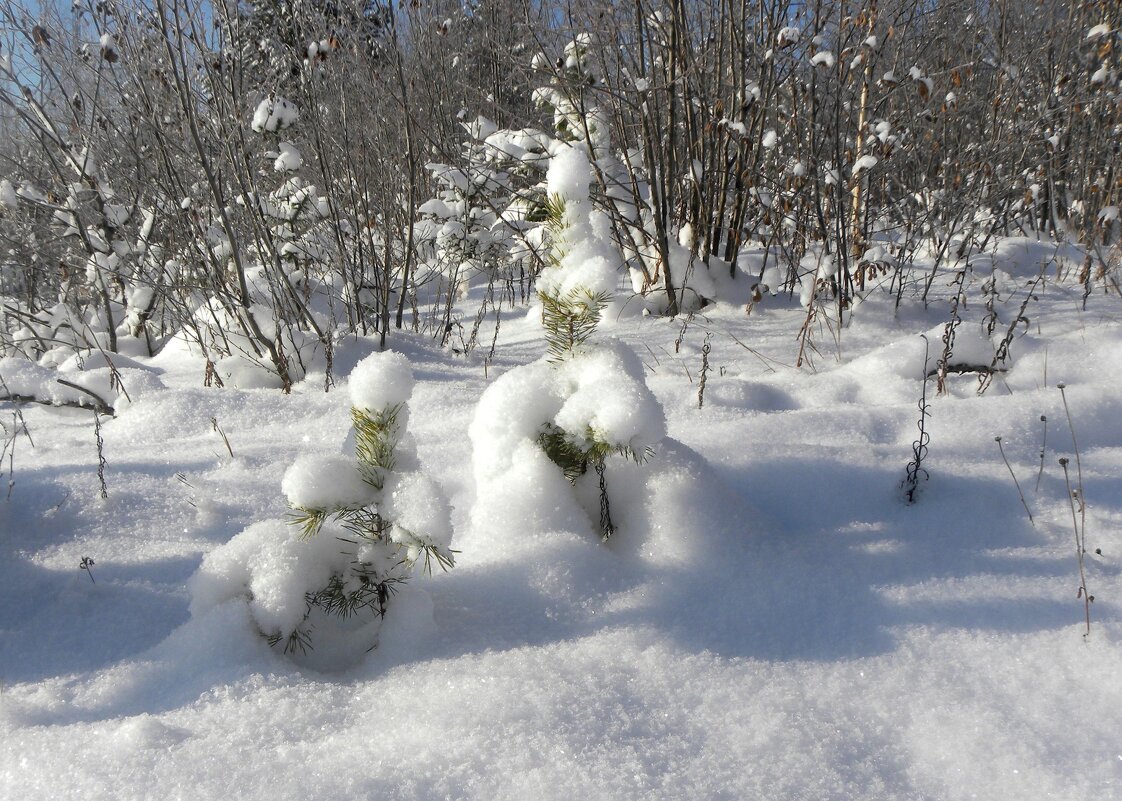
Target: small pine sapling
x,y
359,525
574,289
591,402
392,519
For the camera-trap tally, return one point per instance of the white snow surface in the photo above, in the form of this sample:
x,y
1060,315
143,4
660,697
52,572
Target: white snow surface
x,y
773,621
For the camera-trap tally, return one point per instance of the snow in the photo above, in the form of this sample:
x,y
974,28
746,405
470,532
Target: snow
x,y
8,197
381,380
586,262
274,114
823,57
771,620
569,174
1097,31
421,513
288,158
866,162
326,481
607,397
272,567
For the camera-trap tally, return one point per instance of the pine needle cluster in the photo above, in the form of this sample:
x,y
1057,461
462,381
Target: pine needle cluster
x,y
570,320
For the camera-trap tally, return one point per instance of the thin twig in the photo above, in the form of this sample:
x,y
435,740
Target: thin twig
x,y
1043,444
1016,483
1079,551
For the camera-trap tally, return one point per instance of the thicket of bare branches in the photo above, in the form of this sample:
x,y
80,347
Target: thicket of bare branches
x,y
260,177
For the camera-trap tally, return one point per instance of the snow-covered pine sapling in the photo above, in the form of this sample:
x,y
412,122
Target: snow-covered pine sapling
x,y
574,289
360,524
393,518
589,400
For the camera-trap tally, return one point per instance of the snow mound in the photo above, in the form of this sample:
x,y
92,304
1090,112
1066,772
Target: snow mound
x,y
272,568
92,387
381,380
607,397
326,481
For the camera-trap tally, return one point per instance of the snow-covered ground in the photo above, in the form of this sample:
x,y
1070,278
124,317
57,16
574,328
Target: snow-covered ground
x,y
780,625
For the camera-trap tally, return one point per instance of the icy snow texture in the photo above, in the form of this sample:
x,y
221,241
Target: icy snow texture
x,y
381,380
326,482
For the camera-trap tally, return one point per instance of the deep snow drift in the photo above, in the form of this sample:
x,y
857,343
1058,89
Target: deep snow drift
x,y
772,621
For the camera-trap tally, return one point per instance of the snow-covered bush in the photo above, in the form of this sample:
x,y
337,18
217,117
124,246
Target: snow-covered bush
x,y
360,523
583,403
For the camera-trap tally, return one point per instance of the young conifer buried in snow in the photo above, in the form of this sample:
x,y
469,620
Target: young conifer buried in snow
x,y
589,400
394,519
359,525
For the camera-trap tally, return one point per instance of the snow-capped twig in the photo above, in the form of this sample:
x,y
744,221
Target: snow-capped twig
x,y
100,405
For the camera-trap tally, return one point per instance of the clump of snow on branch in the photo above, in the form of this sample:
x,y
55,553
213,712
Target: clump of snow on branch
x,y
274,114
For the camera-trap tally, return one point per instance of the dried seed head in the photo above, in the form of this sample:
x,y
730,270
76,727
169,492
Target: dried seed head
x,y
1063,461
1044,418
1061,385
997,439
